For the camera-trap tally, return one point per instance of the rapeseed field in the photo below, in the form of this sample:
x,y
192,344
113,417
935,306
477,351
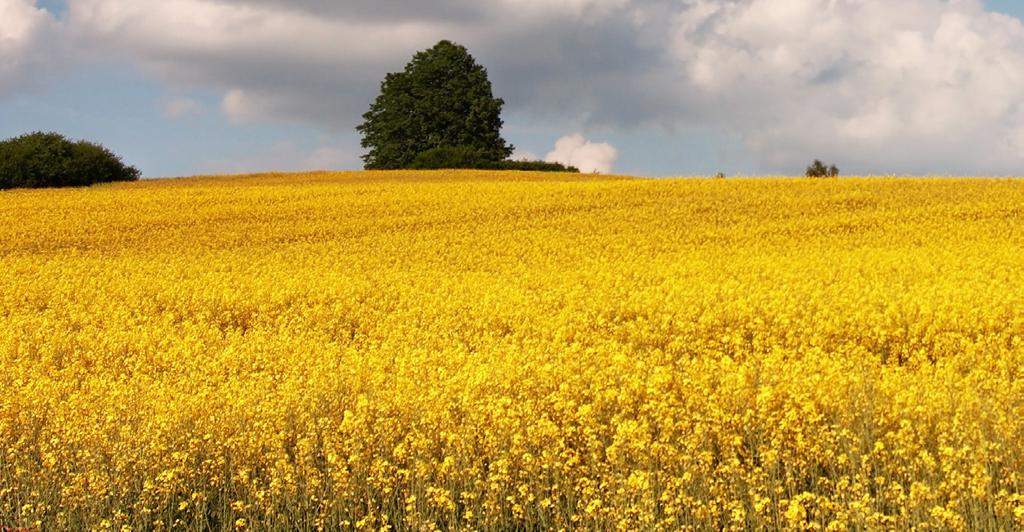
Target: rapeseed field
x,y
487,351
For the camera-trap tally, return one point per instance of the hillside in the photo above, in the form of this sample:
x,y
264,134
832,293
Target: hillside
x,y
501,350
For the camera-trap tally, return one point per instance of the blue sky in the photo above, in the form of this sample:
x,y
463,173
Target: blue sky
x,y
658,87
1009,7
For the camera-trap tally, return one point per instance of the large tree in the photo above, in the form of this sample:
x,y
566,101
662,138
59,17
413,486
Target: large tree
x,y
442,99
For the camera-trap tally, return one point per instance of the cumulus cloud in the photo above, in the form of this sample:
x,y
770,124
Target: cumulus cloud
x,y
279,61
27,43
589,157
874,85
321,62
915,85
180,107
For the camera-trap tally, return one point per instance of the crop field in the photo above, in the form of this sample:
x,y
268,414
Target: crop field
x,y
484,351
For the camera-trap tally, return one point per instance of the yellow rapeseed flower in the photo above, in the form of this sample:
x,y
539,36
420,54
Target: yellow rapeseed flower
x,y
494,351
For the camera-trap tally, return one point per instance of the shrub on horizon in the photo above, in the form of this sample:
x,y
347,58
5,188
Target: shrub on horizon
x,y
467,157
42,160
536,166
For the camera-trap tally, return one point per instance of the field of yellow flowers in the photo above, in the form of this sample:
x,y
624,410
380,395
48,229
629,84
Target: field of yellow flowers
x,y
478,351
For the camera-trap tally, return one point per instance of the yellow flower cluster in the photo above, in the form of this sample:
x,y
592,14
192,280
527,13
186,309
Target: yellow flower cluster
x,y
473,351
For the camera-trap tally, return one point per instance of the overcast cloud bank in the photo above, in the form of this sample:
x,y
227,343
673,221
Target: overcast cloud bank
x,y
916,86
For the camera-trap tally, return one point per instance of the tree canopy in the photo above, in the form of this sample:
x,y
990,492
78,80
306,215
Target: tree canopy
x,y
38,160
443,99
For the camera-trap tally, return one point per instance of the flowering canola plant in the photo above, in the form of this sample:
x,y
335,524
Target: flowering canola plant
x,y
480,351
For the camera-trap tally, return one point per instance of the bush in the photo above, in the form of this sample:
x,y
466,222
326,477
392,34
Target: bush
x,y
818,169
535,166
39,160
467,157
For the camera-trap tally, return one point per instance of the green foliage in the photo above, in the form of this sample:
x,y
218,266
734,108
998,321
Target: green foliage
x,y
450,157
536,166
818,169
442,99
467,157
39,160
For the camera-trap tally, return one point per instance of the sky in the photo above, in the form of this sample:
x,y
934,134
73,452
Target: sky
x,y
640,87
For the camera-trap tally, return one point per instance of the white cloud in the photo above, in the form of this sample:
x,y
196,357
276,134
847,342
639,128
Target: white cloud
x,y
180,107
27,43
275,61
915,85
21,19
874,85
589,157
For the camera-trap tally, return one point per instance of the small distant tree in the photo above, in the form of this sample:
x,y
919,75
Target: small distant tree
x,y
443,99
39,160
818,169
